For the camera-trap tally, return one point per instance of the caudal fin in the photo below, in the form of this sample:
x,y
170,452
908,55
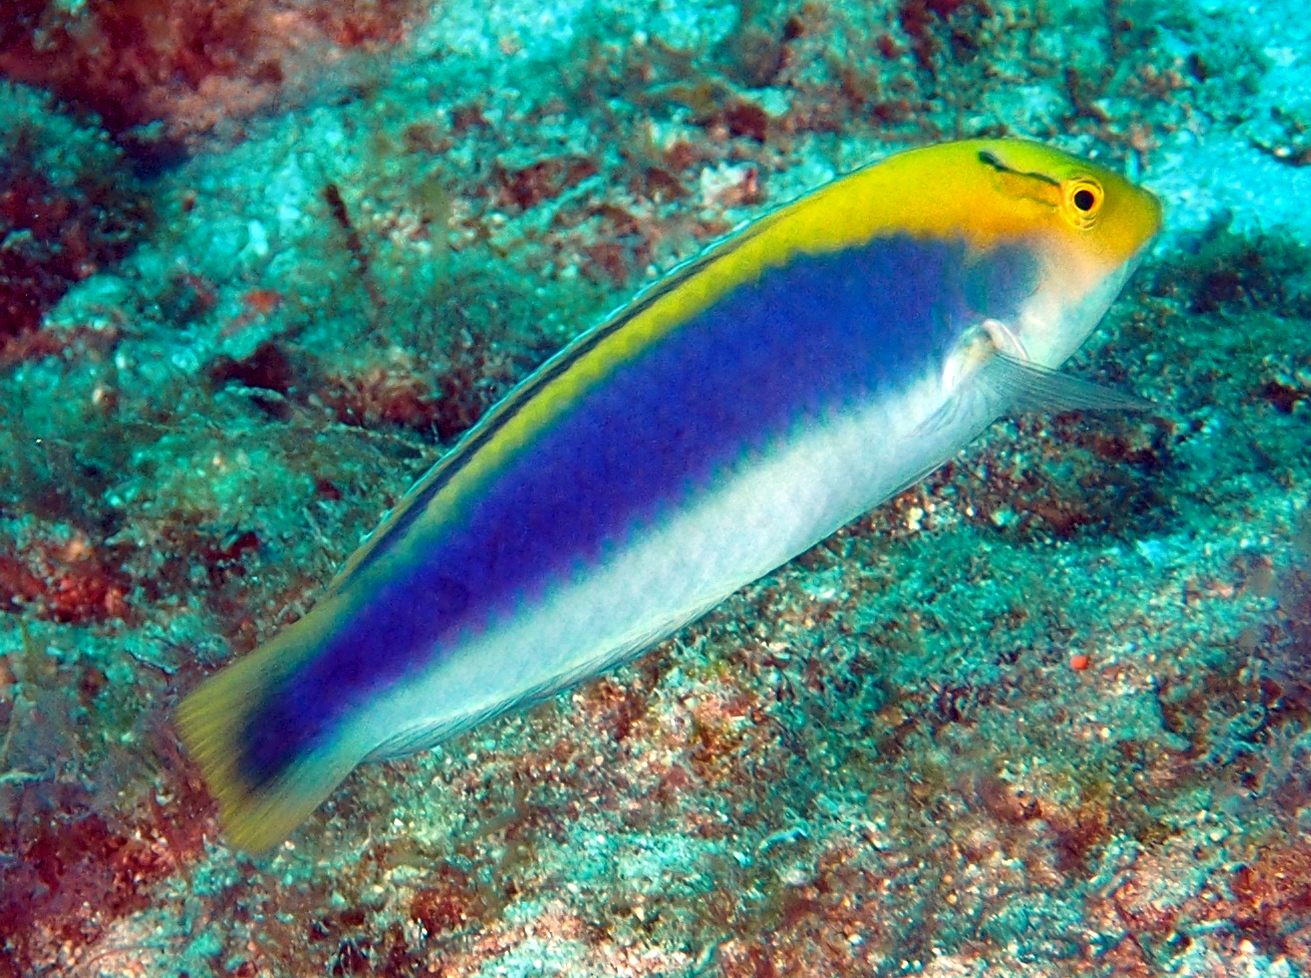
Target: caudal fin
x,y
214,722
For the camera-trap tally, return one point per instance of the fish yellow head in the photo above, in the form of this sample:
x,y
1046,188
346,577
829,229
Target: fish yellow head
x,y
1084,226
1064,231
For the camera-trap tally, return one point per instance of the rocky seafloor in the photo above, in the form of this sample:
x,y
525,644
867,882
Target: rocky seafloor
x,y
264,261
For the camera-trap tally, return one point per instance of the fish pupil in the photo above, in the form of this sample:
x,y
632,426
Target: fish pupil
x,y
1084,199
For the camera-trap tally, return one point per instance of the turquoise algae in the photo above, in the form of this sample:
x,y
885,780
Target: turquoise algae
x,y
1044,714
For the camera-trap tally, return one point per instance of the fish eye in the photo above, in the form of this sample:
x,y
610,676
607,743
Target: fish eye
x,y
1083,199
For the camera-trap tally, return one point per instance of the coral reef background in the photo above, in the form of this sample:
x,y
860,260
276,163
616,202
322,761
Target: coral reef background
x,y
262,262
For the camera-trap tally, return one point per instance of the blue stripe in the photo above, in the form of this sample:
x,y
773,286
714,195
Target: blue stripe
x,y
801,343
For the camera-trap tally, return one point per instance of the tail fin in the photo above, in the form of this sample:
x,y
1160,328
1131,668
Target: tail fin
x,y
213,721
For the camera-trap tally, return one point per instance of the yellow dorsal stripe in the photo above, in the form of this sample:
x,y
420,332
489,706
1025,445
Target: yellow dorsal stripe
x,y
987,206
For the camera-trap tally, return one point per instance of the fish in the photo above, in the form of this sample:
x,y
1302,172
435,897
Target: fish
x,y
735,412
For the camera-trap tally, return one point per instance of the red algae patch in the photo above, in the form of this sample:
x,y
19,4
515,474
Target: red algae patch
x,y
194,65
69,207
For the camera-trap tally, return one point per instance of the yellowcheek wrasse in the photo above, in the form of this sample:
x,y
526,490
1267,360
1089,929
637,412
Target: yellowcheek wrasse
x,y
737,411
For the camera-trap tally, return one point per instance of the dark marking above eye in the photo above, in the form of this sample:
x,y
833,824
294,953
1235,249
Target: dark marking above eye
x,y
988,159
1084,199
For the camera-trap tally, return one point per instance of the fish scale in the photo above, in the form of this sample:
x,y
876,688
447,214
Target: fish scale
x,y
741,409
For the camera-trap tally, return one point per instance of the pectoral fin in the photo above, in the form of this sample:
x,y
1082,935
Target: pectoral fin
x,y
1026,386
